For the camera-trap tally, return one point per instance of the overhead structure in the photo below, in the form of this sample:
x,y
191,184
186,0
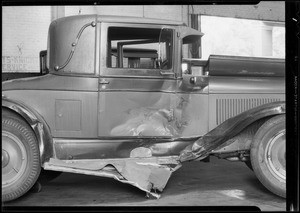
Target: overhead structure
x,y
265,11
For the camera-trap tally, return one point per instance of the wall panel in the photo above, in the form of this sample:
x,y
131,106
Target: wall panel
x,y
24,35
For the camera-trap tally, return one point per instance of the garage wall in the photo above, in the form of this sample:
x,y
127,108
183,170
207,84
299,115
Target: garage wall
x,y
24,35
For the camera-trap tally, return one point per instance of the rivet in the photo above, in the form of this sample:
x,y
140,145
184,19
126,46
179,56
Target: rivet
x,y
93,24
73,44
56,67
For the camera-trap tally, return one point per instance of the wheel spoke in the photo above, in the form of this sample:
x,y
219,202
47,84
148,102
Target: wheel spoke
x,y
17,171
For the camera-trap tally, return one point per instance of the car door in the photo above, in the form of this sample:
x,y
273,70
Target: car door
x,y
137,82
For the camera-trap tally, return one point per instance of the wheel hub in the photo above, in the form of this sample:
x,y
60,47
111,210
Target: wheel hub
x,y
5,158
275,154
14,158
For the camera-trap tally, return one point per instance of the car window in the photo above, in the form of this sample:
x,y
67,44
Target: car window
x,y
139,48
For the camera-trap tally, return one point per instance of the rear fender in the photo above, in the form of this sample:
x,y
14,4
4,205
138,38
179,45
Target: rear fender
x,y
214,139
37,124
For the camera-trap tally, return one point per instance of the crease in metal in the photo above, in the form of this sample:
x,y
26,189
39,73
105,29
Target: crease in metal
x,y
146,122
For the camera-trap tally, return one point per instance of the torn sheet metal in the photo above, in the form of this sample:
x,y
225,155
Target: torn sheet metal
x,y
148,174
228,129
148,177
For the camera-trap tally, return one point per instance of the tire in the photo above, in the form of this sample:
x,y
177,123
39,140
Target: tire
x,y
48,175
267,155
20,157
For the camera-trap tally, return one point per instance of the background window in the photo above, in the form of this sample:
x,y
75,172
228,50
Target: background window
x,y
242,37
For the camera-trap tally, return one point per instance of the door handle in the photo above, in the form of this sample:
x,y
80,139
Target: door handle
x,y
103,81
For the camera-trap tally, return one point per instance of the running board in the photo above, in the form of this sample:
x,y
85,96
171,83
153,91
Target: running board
x,y
148,174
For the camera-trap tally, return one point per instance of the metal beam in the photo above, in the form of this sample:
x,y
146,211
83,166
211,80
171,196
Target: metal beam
x,y
265,11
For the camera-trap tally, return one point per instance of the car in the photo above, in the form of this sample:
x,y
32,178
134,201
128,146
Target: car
x,y
121,100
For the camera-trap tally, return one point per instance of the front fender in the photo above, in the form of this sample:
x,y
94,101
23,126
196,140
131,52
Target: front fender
x,y
37,123
228,129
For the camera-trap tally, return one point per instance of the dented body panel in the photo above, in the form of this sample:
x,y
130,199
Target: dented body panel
x,y
94,114
150,107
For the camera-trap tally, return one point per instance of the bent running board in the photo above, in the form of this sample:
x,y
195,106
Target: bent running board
x,y
148,174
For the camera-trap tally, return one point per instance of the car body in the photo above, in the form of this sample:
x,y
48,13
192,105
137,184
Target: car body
x,y
116,97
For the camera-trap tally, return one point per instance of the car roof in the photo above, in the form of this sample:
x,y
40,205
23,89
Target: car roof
x,y
124,19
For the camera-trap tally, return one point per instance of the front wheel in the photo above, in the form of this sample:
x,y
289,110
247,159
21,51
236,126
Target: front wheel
x,y
20,157
267,155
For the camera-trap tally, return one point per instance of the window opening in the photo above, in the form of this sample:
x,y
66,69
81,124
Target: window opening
x,y
242,37
139,48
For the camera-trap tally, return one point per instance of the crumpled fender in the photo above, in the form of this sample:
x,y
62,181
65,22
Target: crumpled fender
x,y
228,129
37,123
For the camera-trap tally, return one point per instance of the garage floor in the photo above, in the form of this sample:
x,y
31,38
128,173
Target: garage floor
x,y
217,183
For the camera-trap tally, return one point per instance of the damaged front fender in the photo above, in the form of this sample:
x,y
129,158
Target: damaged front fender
x,y
228,129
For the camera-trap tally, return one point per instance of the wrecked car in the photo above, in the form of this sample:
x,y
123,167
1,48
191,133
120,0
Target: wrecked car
x,y
121,101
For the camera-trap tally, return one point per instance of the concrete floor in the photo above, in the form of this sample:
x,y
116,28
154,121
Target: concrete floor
x,y
217,183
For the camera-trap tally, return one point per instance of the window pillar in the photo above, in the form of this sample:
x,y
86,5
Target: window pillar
x,y
194,49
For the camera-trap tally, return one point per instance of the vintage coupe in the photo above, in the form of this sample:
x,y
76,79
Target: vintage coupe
x,y
120,101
